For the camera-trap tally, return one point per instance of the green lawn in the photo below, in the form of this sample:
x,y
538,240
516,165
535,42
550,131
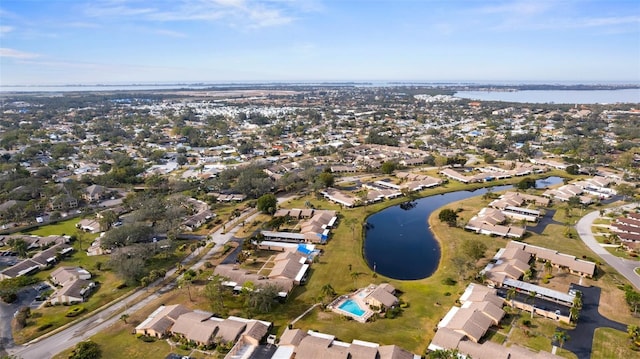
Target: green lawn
x,y
611,343
67,227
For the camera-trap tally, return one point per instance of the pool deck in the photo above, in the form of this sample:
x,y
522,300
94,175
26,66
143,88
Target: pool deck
x,y
358,297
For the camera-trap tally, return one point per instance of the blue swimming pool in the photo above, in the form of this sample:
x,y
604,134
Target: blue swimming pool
x,y
352,307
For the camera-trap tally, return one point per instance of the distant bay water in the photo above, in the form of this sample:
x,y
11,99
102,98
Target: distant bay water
x,y
556,96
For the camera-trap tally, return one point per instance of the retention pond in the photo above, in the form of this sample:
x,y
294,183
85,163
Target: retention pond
x,y
398,242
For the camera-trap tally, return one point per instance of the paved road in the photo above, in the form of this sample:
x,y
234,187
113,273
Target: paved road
x,y
623,266
83,330
25,297
581,338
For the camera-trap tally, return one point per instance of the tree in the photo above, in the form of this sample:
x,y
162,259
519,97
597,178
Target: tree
x,y
326,179
182,160
573,169
263,298
526,183
561,337
532,297
86,350
445,354
186,279
106,219
214,291
267,203
328,291
448,216
19,246
388,167
548,267
488,158
355,276
626,191
511,293
124,317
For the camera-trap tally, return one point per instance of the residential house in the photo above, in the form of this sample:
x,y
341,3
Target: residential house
x,y
295,343
159,323
383,296
95,193
489,222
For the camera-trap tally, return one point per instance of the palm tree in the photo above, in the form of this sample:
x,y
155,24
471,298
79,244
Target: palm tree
x,y
548,267
327,290
561,337
364,197
532,297
511,293
355,276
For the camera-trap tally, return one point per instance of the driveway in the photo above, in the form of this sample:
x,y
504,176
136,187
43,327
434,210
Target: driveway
x,y
623,266
544,222
581,338
25,297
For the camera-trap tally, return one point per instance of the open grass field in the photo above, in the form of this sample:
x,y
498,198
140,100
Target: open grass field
x,y
67,227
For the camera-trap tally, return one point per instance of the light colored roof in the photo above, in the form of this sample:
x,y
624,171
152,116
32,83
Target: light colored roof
x,y
256,330
487,350
196,326
292,337
393,352
446,338
229,330
471,322
163,318
312,347
362,352
286,268
383,296
489,309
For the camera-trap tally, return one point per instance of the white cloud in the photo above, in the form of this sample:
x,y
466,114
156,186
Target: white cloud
x,y
5,29
16,54
250,13
608,21
169,33
521,8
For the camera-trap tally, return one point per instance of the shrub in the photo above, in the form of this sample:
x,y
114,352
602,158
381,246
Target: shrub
x,y
148,339
44,327
449,281
74,312
447,294
121,286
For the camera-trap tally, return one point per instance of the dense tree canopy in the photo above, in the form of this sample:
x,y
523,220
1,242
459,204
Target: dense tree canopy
x,y
267,203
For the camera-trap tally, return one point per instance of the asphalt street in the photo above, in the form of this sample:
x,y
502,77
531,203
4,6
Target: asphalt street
x,y
623,266
581,338
25,297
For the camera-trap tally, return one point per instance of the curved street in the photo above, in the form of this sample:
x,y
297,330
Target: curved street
x,y
624,266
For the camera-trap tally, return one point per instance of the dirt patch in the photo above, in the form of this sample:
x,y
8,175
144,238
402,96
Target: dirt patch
x,y
322,315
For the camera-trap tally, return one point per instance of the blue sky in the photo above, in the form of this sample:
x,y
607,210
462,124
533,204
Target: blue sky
x,y
135,41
